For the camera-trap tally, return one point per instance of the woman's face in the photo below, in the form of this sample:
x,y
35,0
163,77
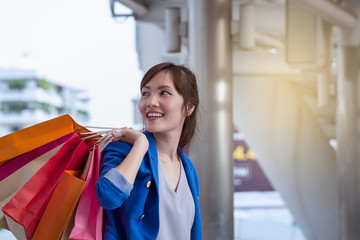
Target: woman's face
x,y
161,106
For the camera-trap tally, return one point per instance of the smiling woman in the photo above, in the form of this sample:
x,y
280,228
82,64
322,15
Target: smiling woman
x,y
161,106
175,81
147,186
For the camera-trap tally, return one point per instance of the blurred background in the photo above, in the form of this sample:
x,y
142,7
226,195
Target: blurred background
x,y
278,134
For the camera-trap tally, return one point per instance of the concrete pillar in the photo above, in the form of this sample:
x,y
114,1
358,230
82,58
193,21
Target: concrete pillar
x,y
172,32
347,130
210,58
347,142
247,26
324,51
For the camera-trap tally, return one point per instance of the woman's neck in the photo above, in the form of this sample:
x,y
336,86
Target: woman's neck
x,y
167,147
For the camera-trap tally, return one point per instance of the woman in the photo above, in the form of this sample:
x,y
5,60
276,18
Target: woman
x,y
147,186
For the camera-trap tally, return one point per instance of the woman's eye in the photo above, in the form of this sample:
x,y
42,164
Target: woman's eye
x,y
165,93
144,94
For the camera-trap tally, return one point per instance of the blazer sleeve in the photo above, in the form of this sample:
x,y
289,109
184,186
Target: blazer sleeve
x,y
112,188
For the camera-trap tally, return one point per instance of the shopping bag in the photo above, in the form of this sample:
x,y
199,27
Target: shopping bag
x,y
86,168
89,214
101,144
12,183
69,227
16,163
24,140
60,207
24,210
84,174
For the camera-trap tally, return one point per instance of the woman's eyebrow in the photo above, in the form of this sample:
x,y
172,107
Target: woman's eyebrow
x,y
160,87
165,86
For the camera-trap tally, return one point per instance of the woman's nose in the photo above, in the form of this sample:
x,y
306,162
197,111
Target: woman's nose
x,y
153,101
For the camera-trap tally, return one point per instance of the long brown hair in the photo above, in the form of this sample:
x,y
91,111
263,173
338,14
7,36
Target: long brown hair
x,y
186,85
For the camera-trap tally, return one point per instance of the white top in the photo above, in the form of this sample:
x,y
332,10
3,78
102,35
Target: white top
x,y
176,209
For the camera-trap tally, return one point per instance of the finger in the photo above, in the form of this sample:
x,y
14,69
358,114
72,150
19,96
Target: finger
x,y
115,139
117,132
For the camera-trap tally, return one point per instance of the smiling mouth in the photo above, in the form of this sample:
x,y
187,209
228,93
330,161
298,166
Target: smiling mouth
x,y
154,115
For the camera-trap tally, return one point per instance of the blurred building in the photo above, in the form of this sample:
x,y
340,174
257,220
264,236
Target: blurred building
x,y
26,99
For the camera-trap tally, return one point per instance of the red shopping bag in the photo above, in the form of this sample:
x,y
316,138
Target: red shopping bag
x,y
16,180
15,164
89,214
25,209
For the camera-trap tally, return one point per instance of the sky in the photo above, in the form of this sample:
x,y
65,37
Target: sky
x,y
79,44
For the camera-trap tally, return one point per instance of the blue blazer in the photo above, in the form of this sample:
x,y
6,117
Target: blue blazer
x,y
134,213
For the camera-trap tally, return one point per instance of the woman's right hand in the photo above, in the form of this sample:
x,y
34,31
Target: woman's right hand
x,y
129,136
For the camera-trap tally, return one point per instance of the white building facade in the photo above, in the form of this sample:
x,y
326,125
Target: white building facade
x,y
27,99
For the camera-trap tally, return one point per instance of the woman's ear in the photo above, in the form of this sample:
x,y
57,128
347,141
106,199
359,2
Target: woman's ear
x,y
189,109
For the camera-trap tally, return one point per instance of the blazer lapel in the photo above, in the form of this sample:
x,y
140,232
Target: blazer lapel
x,y
153,157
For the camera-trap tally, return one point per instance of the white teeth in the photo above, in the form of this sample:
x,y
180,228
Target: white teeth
x,y
154,115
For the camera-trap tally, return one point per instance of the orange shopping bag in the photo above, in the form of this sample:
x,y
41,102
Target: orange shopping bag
x,y
60,207
24,140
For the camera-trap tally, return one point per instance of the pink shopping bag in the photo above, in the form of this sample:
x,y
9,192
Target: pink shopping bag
x,y
89,214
